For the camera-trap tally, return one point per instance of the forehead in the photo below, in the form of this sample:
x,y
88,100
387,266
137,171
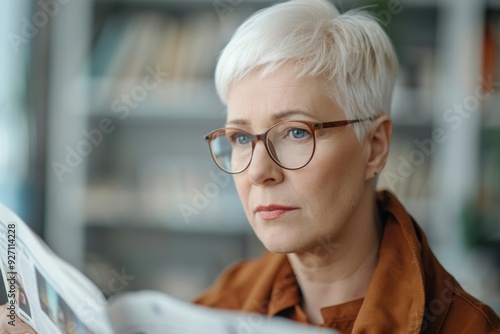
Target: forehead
x,y
257,100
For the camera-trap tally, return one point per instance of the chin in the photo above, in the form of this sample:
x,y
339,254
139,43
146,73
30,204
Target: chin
x,y
282,242
279,249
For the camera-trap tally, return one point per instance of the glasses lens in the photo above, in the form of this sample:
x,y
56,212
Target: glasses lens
x,y
232,149
291,144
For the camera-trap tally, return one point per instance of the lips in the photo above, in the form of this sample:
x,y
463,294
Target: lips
x,y
274,211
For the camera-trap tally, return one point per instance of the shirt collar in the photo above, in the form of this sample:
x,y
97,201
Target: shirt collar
x,y
285,290
396,295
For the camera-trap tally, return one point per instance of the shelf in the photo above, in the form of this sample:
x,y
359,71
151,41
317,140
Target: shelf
x,y
156,227
209,229
197,100
173,99
176,197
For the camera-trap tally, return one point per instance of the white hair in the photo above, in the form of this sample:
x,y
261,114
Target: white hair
x,y
350,52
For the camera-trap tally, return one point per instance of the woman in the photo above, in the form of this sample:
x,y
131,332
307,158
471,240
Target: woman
x,y
316,87
308,93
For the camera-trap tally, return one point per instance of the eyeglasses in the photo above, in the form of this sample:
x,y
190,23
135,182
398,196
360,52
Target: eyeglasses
x,y
291,144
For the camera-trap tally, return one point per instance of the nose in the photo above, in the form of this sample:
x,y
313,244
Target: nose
x,y
263,170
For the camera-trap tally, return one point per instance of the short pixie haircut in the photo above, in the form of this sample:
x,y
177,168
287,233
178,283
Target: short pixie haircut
x,y
350,52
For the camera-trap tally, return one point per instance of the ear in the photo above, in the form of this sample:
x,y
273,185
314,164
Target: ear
x,y
378,142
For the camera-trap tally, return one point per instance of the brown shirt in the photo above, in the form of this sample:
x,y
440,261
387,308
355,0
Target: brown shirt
x,y
410,291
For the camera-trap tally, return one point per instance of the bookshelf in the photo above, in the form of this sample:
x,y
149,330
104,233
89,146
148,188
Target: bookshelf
x,y
147,67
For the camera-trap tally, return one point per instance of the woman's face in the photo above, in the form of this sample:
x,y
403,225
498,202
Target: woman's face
x,y
313,204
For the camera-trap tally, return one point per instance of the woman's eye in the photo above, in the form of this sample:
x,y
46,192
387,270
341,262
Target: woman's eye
x,y
241,139
298,133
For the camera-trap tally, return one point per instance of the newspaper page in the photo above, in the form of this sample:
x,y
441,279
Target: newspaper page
x,y
151,312
45,292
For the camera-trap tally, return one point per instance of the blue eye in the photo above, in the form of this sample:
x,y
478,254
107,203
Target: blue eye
x,y
298,133
242,139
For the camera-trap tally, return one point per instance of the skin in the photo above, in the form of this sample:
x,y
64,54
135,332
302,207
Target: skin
x,y
332,236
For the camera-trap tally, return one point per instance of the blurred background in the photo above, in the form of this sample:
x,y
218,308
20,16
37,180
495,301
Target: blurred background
x,y
104,105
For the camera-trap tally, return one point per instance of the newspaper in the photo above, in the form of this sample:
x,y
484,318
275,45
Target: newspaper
x,y
53,297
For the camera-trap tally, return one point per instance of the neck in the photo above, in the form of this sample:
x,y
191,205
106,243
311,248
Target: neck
x,y
340,270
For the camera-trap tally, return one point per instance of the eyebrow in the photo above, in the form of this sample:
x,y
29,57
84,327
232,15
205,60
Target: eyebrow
x,y
279,116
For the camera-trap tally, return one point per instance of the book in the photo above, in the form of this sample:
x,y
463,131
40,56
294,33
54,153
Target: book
x,y
53,297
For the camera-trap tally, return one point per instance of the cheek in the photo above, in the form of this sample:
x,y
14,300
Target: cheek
x,y
335,164
336,176
345,159
243,188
